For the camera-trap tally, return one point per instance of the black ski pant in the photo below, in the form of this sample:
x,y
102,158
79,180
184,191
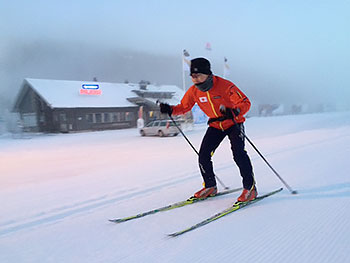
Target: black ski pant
x,y
211,140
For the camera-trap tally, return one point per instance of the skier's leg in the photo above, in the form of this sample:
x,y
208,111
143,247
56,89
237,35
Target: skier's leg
x,y
240,155
211,140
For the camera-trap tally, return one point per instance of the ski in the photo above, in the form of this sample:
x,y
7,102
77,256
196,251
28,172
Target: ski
x,y
227,211
189,201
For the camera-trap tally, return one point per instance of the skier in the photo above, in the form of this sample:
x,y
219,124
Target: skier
x,y
222,102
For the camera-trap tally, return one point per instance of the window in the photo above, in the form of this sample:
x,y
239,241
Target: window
x,y
115,117
98,117
149,124
90,118
122,116
63,117
129,116
107,117
29,120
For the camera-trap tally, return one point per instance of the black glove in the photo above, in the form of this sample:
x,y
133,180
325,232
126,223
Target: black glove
x,y
229,113
165,108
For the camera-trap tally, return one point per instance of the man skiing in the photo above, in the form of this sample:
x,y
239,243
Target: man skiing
x,y
222,102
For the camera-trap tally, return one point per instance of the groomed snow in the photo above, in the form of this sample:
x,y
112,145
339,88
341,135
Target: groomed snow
x,y
58,191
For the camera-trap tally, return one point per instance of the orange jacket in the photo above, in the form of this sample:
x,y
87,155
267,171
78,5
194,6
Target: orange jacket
x,y
223,92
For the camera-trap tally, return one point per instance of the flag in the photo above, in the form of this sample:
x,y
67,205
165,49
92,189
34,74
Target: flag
x,y
208,46
141,112
186,54
140,121
186,60
226,67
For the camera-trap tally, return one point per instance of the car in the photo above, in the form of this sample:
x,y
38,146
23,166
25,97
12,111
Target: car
x,y
159,128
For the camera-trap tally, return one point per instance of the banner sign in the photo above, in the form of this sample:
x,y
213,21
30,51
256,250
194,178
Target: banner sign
x,y
90,89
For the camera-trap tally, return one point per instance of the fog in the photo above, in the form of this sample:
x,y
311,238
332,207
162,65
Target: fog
x,y
291,52
54,60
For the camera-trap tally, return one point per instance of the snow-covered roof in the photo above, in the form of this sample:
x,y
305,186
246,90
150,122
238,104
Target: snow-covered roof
x,y
177,93
67,93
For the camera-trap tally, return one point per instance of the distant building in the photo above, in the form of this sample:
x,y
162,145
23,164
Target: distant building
x,y
68,106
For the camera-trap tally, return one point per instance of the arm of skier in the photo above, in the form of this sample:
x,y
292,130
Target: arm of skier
x,y
186,104
240,101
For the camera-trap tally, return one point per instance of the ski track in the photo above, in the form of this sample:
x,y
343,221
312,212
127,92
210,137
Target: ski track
x,y
308,245
81,207
57,214
302,245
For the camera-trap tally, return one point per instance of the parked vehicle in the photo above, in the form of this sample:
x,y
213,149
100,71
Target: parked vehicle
x,y
159,128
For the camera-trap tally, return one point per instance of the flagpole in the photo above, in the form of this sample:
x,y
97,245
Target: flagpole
x,y
224,72
185,66
183,72
226,68
208,50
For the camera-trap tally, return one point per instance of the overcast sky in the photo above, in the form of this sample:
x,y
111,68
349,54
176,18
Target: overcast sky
x,y
278,51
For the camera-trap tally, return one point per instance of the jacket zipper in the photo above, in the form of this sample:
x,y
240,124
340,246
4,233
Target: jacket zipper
x,y
212,107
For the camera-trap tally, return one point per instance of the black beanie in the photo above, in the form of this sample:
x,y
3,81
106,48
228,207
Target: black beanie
x,y
200,65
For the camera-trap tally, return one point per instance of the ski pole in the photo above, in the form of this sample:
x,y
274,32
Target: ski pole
x,y
269,165
194,149
260,154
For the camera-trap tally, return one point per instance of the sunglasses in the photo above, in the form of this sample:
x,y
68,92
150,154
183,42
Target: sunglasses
x,y
197,75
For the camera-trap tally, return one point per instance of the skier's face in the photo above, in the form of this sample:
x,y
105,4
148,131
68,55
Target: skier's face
x,y
198,78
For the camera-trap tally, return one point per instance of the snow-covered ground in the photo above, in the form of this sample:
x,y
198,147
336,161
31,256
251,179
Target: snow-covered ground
x,y
57,193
